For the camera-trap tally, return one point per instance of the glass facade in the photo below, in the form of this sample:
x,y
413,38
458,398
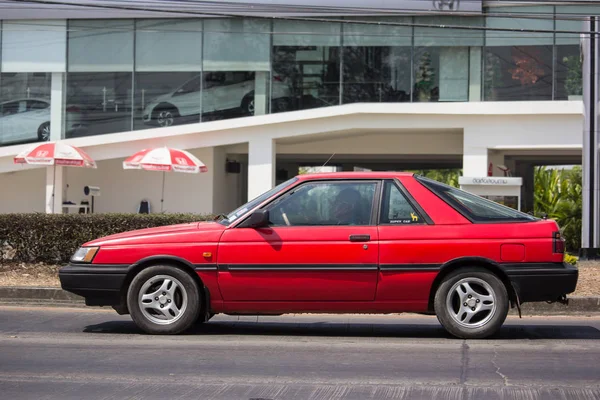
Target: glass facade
x,y
119,75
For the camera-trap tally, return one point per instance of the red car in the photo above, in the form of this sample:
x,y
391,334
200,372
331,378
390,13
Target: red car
x,y
377,242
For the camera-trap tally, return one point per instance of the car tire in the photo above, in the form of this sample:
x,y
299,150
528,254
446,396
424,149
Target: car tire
x,y
163,300
165,116
44,132
248,104
471,303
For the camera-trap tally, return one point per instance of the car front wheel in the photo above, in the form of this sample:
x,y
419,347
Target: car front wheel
x,y
163,300
471,303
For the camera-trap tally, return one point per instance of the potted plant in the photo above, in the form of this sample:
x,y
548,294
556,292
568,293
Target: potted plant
x,y
574,80
424,77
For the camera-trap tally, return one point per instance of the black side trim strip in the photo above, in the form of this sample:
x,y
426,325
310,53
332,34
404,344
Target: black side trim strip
x,y
298,267
410,267
205,267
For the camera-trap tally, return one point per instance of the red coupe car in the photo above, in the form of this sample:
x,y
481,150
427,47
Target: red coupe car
x,y
377,242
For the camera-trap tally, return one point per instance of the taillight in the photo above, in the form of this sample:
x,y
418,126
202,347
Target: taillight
x,y
73,109
277,78
559,243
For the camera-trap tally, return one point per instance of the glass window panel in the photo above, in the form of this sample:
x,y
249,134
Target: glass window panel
x,y
568,73
102,98
306,67
168,45
377,63
441,74
395,208
446,36
499,38
166,98
306,33
34,46
570,18
323,204
236,45
518,73
100,45
366,35
24,107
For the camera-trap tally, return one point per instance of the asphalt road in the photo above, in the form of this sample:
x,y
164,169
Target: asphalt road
x,y
70,353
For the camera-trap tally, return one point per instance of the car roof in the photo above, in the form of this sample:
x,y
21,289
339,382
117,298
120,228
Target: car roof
x,y
353,175
26,98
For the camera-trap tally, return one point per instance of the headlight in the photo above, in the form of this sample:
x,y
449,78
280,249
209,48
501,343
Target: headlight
x,y
85,254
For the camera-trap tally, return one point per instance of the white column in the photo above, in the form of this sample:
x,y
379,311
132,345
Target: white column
x,y
261,166
54,189
56,106
260,93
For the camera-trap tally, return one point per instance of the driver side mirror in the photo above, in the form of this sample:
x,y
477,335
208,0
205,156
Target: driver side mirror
x,y
258,219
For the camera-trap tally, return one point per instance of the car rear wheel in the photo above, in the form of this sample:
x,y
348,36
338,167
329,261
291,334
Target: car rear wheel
x,y
163,300
44,132
471,303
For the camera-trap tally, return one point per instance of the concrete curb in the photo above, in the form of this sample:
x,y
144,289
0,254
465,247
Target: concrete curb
x,y
578,305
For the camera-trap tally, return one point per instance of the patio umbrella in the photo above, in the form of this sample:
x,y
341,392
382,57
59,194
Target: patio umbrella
x,y
53,154
165,159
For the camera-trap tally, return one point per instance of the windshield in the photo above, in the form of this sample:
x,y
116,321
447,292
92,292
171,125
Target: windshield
x,y
241,211
477,208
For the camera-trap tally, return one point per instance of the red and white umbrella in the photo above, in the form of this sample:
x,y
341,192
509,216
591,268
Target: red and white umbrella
x,y
55,153
165,159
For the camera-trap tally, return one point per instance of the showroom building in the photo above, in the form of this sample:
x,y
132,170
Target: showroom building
x,y
258,92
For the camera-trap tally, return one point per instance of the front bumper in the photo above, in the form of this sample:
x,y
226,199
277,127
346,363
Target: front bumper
x,y
542,281
99,284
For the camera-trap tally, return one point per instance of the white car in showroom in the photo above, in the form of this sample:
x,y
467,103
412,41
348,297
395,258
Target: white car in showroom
x,y
221,91
28,120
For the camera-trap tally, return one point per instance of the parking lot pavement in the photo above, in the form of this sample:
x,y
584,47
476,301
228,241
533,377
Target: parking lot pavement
x,y
71,353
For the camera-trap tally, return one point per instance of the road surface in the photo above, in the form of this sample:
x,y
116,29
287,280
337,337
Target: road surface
x,y
75,353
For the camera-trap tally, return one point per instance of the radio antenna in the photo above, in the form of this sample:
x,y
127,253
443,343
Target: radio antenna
x,y
329,159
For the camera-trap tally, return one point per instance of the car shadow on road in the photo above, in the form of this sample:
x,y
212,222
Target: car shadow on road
x,y
338,329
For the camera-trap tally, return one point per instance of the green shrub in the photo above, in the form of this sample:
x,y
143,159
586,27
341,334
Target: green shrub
x,y
53,238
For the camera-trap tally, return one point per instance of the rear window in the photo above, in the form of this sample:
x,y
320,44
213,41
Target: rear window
x,y
475,208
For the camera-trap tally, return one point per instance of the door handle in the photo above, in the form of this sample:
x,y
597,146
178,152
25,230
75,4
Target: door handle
x,y
360,238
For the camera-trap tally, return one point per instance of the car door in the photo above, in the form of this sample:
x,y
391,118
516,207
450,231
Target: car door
x,y
321,245
406,239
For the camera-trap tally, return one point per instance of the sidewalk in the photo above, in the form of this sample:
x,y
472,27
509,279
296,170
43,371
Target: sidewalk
x,y
48,296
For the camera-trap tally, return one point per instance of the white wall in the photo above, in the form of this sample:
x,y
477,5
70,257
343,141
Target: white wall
x,y
23,191
122,190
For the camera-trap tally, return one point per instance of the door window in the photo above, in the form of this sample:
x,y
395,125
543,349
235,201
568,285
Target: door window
x,y
325,204
395,207
38,105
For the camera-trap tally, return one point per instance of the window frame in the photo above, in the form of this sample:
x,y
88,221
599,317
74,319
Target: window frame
x,y
291,190
424,217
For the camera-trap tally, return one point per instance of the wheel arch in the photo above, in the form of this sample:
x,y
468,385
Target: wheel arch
x,y
480,262
167,260
164,105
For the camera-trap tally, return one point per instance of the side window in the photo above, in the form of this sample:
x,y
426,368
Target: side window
x,y
395,208
38,105
190,87
325,204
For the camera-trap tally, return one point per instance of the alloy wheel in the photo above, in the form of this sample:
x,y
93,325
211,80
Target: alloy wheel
x,y
165,118
471,302
163,299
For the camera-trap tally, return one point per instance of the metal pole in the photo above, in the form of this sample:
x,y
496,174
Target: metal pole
x,y
590,240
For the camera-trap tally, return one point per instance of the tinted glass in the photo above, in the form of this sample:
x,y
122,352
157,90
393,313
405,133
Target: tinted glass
x,y
395,208
325,204
474,207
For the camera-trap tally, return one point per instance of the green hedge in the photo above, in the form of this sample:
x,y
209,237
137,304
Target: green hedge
x,y
53,238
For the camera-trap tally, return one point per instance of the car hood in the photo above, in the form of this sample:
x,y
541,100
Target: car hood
x,y
181,233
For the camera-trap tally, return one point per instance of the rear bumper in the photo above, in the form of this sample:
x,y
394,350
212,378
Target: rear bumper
x,y
100,285
542,281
